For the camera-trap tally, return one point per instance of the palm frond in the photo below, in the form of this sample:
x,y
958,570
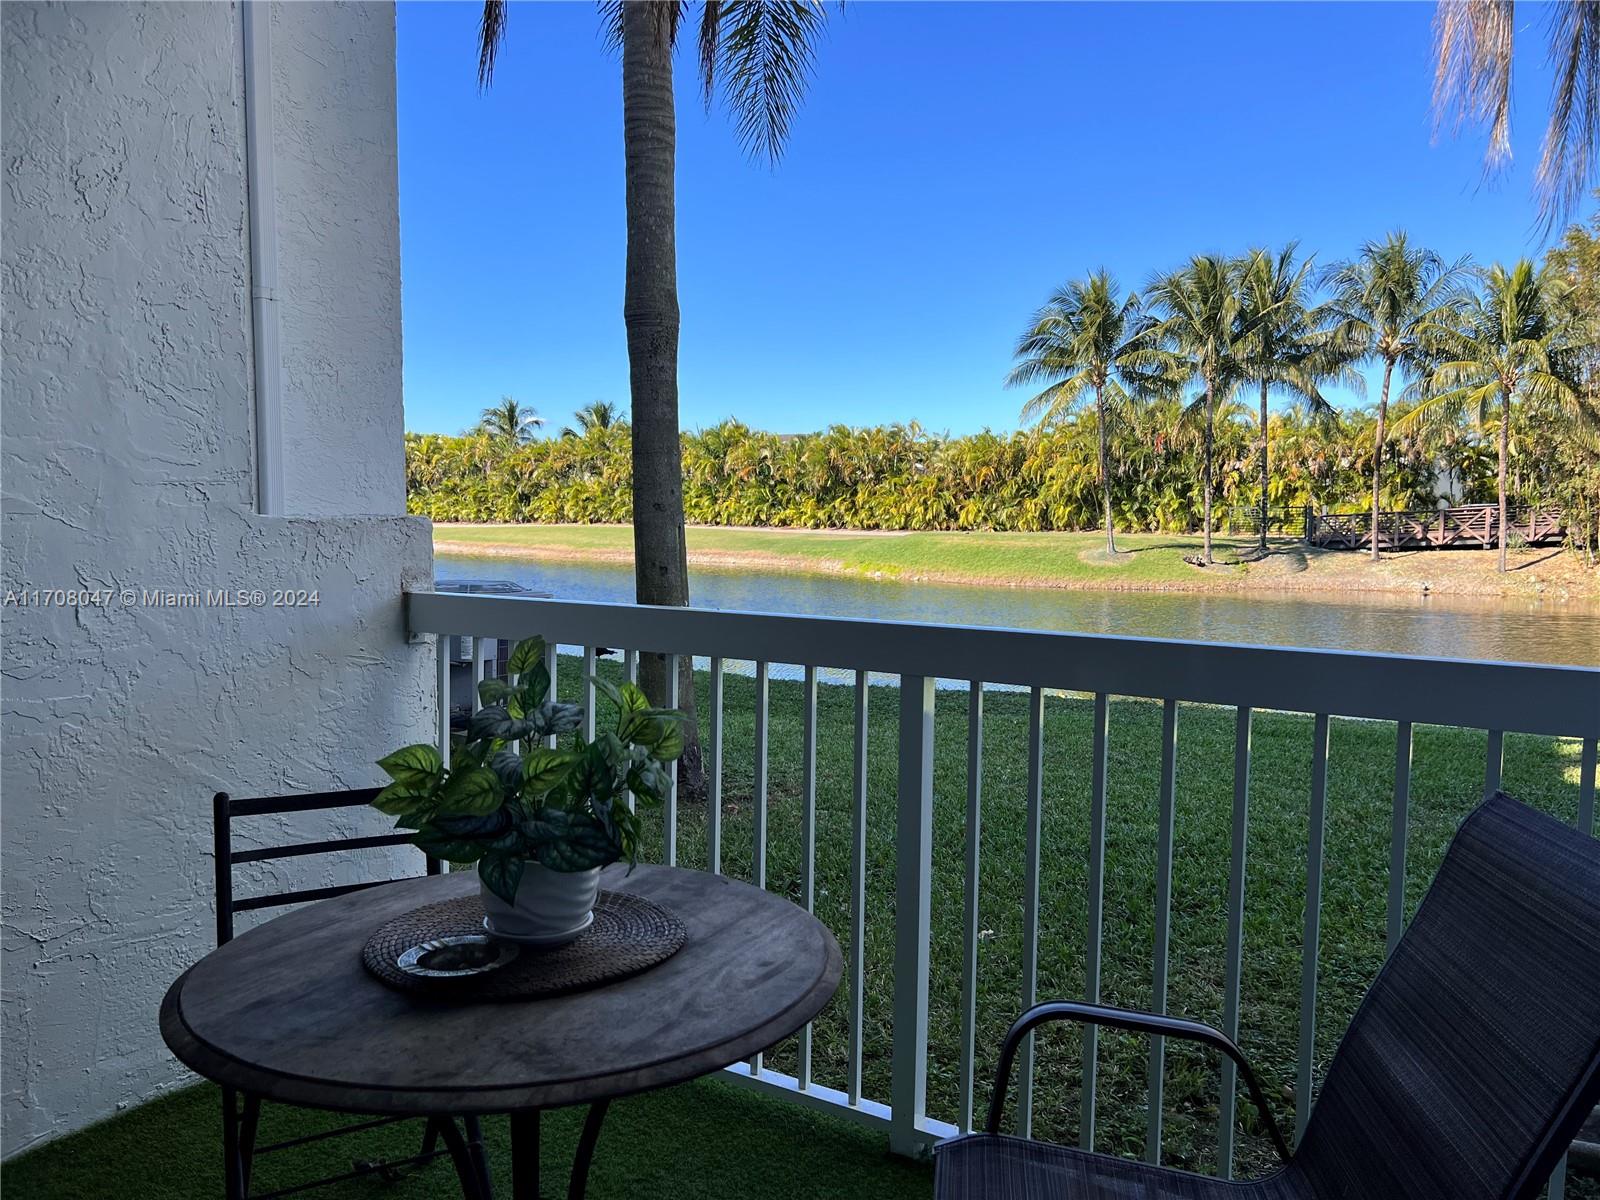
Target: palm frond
x,y
1572,141
491,34
1472,69
760,53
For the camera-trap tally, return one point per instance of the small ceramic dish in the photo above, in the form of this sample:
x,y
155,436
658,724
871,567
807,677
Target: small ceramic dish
x,y
456,957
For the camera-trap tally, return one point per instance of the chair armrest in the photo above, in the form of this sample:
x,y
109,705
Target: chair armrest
x,y
1136,1022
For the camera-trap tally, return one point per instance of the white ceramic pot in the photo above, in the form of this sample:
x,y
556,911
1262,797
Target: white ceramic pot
x,y
553,907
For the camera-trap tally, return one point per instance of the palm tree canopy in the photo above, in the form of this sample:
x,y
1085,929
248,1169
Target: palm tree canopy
x,y
1387,296
1087,339
758,53
1282,342
1198,309
601,414
1512,342
1472,84
510,419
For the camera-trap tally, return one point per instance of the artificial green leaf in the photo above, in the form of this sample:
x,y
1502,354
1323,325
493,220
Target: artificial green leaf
x,y
508,767
471,754
552,718
401,799
607,689
418,765
573,842
543,769
501,873
478,827
436,845
496,723
525,655
533,686
670,744
492,691
470,793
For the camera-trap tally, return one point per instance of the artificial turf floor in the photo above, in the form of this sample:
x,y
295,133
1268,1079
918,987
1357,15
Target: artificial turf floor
x,y
694,1142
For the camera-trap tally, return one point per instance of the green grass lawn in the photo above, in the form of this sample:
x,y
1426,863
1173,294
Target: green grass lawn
x,y
1446,784
1057,559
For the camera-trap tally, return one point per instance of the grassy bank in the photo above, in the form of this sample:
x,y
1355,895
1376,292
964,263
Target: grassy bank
x,y
1446,784
1152,562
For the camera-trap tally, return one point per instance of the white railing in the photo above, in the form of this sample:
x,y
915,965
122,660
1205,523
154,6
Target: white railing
x,y
1496,697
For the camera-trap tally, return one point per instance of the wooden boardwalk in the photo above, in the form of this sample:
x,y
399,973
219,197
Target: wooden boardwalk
x,y
1475,527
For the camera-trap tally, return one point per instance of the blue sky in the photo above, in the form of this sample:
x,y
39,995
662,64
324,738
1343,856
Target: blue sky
x,y
952,163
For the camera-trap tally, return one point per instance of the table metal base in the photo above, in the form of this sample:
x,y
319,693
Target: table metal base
x,y
525,1153
463,1143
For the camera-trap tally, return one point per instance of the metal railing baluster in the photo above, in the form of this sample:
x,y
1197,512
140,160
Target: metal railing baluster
x,y
1233,951
1586,772
669,822
1493,762
858,888
1030,900
759,817
908,1053
759,863
1155,1090
808,836
1313,929
551,665
588,693
1397,835
482,648
630,671
1558,1182
969,914
443,729
714,771
1096,902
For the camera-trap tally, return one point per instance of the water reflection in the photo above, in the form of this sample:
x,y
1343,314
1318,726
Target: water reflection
x,y
1448,627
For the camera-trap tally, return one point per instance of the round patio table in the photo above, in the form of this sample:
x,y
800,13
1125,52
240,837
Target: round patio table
x,y
287,1012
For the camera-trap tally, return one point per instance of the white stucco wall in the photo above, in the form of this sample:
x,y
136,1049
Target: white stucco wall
x,y
126,463
334,133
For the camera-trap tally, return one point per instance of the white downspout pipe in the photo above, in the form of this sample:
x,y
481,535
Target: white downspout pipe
x,y
261,195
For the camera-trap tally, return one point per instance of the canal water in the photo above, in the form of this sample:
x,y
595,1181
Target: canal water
x,y
1450,627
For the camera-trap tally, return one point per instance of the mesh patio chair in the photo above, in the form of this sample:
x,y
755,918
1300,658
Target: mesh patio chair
x,y
1468,1069
241,1114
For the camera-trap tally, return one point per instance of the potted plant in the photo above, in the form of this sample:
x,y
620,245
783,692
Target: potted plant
x,y
539,822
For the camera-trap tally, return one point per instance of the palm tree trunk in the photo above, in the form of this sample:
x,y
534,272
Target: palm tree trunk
x,y
1377,453
1105,472
650,312
1505,449
1205,474
1265,477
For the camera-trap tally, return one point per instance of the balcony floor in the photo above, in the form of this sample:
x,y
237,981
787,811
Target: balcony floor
x,y
707,1139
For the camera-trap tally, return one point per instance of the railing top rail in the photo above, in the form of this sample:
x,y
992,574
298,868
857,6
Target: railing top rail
x,y
1515,697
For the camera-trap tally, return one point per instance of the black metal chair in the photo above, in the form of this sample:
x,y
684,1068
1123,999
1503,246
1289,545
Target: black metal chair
x,y
1466,1073
240,1121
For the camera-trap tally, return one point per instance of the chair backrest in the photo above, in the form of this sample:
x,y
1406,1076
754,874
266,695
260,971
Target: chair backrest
x,y
225,809
1475,1056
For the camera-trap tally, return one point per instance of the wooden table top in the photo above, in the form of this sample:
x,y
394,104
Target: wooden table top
x,y
288,1012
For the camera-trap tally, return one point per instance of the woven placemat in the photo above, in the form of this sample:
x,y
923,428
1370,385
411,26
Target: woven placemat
x,y
629,934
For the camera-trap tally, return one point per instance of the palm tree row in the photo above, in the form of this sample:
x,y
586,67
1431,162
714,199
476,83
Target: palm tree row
x,y
1483,344
1139,412
902,477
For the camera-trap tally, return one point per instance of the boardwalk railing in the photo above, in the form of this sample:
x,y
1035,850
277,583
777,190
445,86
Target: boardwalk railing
x,y
1500,698
1477,526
